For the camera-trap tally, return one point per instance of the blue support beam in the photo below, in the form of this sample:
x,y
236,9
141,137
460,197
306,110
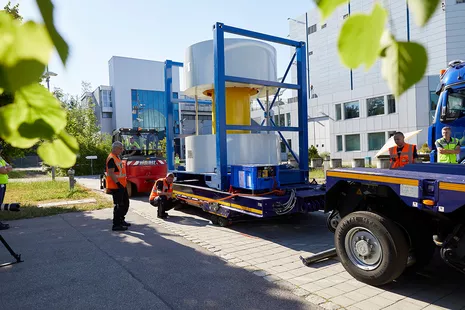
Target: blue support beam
x,y
284,78
257,35
302,110
236,79
220,105
169,115
287,144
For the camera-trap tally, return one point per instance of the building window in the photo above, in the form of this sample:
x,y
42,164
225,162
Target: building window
x,y
352,143
345,16
460,1
288,117
289,141
283,147
276,120
338,112
282,120
351,110
148,109
310,53
312,29
376,140
339,143
323,26
106,98
106,114
375,106
391,100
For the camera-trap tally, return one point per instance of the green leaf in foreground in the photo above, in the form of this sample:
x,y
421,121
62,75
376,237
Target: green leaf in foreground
x,y
46,9
60,152
24,52
359,39
327,7
423,10
34,115
403,65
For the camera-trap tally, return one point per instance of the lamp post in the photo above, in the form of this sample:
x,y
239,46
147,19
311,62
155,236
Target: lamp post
x,y
47,76
306,48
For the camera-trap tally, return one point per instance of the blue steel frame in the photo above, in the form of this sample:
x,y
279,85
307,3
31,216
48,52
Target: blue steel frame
x,y
220,79
169,102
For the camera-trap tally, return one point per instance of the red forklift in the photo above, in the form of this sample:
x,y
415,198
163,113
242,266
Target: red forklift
x,y
142,156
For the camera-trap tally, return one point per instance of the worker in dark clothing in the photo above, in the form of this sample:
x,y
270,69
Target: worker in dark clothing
x,y
116,182
162,195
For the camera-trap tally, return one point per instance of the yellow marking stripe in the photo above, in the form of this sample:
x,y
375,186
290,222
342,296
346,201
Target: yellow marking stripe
x,y
375,178
452,187
232,205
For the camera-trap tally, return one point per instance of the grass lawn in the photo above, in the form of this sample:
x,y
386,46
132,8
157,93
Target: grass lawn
x,y
317,173
30,194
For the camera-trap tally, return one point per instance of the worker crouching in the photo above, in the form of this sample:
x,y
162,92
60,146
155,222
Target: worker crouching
x,y
162,195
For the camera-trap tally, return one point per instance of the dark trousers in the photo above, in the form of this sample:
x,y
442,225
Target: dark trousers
x,y
163,205
2,193
121,205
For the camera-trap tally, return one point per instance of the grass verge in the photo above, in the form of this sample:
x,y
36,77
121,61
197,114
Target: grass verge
x,y
29,195
317,173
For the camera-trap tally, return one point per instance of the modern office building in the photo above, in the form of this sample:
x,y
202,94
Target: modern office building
x,y
351,113
135,98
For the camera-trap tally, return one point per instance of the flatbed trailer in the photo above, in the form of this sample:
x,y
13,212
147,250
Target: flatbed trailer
x,y
387,222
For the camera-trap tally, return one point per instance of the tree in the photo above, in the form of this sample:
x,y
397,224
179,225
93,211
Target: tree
x,y
85,87
363,39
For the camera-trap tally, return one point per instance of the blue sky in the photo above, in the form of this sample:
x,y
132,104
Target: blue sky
x,y
96,30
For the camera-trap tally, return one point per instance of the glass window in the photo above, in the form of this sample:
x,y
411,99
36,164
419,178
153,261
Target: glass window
x,y
455,104
282,121
288,117
433,98
339,143
375,106
289,141
106,115
352,143
312,29
351,110
338,112
376,140
276,120
283,147
391,100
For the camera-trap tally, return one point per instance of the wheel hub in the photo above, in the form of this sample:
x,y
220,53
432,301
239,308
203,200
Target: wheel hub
x,y
363,248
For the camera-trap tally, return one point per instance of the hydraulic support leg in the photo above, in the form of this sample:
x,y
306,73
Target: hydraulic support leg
x,y
307,261
16,256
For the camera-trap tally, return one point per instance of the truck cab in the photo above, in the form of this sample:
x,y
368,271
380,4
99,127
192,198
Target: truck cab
x,y
450,110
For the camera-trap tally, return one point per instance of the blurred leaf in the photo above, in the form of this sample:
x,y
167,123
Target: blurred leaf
x,y
423,10
327,7
46,9
403,65
24,52
60,152
360,36
34,115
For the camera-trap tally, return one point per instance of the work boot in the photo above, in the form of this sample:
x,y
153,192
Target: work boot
x,y
4,226
126,224
119,228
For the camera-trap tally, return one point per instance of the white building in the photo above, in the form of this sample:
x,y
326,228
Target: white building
x,y
352,113
136,98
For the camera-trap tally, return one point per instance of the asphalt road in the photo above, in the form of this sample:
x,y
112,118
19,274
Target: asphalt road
x,y
74,261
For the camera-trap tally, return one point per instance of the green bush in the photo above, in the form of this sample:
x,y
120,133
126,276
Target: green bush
x,y
424,149
313,153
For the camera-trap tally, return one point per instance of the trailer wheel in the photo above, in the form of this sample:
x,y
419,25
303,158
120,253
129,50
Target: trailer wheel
x,y
224,222
131,188
371,247
333,220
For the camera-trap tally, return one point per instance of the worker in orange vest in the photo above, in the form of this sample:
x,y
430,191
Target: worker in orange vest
x,y
162,195
403,153
116,182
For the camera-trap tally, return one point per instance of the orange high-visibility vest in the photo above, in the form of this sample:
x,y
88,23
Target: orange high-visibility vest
x,y
406,156
120,174
166,189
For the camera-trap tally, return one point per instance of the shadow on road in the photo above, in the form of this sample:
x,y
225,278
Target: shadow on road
x,y
75,261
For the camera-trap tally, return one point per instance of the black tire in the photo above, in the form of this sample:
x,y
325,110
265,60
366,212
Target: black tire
x,y
331,221
131,188
214,219
393,247
224,222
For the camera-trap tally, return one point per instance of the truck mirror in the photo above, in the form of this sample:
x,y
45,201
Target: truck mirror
x,y
443,114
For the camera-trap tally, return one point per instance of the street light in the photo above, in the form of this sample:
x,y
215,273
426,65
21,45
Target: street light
x,y
47,76
306,49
